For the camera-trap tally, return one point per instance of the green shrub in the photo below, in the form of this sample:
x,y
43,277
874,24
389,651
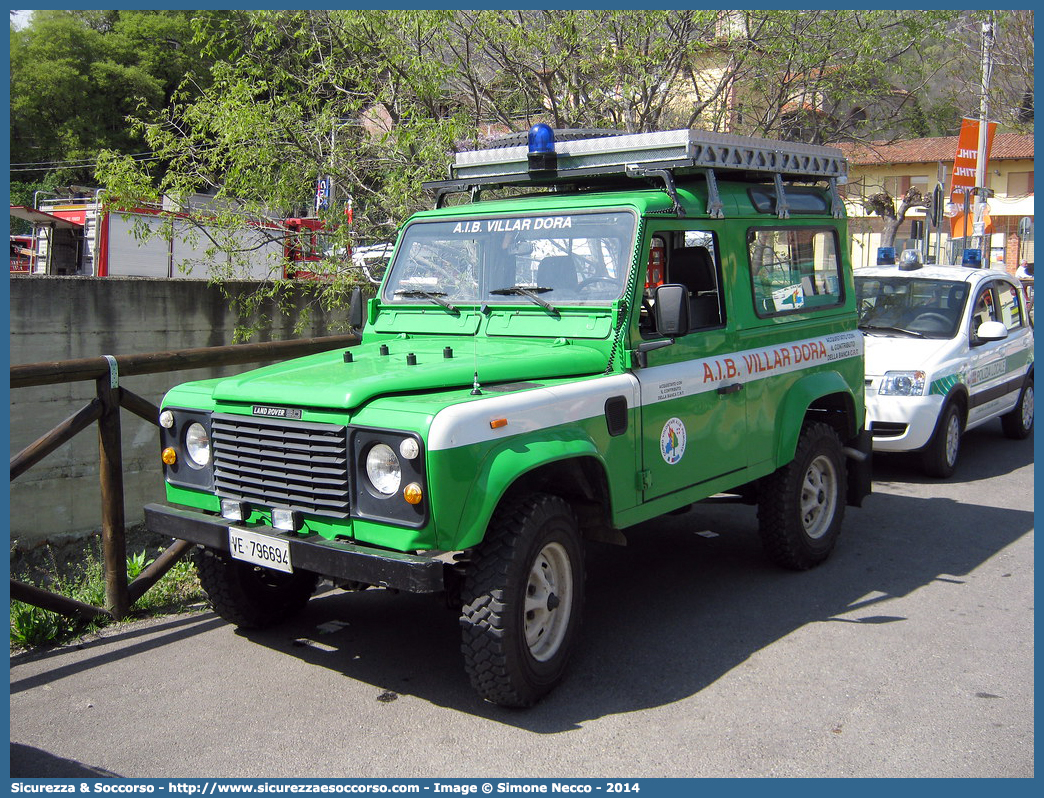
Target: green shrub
x,y
31,626
136,563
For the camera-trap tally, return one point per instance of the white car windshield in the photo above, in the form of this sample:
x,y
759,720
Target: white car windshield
x,y
910,306
545,259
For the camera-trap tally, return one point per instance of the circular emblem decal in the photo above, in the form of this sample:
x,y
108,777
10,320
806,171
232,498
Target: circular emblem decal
x,y
672,441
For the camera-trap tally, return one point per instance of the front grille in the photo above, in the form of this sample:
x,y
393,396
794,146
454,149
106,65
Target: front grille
x,y
276,463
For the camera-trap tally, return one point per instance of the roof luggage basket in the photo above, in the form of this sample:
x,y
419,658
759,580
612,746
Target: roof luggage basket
x,y
663,156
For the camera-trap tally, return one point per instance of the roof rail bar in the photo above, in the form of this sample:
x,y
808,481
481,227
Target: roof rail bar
x,y
666,155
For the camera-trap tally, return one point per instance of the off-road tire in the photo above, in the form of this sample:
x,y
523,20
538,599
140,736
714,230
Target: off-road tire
x,y
802,504
1018,424
532,549
249,596
939,457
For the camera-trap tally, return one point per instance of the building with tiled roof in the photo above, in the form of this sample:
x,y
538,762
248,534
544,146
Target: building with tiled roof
x,y
1006,146
894,167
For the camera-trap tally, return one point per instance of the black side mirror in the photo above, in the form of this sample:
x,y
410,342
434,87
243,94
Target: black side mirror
x,y
672,310
357,310
672,319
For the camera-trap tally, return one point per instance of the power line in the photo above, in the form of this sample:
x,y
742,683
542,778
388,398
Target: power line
x,y
38,166
55,163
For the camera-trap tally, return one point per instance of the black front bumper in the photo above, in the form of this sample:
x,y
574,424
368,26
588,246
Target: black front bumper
x,y
413,573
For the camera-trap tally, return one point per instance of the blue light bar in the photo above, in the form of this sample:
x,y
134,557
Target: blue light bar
x,y
542,158
541,139
886,256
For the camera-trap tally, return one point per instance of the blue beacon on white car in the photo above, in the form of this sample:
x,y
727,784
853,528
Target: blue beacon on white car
x,y
948,348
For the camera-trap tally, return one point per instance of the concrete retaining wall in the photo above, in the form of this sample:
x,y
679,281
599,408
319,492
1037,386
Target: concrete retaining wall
x,y
64,318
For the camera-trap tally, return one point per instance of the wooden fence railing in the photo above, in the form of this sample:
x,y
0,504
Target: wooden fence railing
x,y
106,371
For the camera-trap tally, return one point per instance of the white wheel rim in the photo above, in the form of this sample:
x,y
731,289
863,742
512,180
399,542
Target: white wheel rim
x,y
953,439
549,601
819,497
1027,408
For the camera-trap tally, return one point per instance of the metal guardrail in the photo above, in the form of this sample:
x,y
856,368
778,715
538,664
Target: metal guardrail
x,y
106,371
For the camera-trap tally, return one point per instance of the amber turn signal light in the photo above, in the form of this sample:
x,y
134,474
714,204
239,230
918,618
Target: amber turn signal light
x,y
412,493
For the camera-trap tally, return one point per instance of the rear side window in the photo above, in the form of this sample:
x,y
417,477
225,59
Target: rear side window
x,y
1010,306
800,199
794,269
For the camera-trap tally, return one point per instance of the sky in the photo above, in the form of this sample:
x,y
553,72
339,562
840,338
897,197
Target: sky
x,y
20,18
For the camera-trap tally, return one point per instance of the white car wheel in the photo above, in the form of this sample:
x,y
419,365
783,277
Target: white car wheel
x,y
549,600
939,458
819,495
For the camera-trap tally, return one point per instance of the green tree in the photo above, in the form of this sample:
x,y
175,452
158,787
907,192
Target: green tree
x,y
379,100
353,95
623,70
835,75
77,76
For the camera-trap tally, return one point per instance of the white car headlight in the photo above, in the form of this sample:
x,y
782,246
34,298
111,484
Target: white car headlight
x,y
197,444
383,469
902,383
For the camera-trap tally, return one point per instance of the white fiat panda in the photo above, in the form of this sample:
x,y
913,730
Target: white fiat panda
x,y
947,349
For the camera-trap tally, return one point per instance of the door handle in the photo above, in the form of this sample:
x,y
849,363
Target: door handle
x,y
736,387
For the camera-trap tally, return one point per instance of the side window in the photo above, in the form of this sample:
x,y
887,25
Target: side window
x,y
794,269
1010,307
985,309
692,261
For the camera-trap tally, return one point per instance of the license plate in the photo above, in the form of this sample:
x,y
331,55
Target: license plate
x,y
263,550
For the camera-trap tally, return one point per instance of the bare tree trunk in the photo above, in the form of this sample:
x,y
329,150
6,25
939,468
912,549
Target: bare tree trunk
x,y
891,226
884,206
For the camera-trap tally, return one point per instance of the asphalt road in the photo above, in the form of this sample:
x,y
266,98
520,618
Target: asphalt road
x,y
909,653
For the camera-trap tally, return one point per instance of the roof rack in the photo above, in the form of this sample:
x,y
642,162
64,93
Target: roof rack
x,y
663,156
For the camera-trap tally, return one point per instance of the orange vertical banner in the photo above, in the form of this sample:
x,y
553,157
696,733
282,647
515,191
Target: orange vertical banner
x,y
966,158
965,162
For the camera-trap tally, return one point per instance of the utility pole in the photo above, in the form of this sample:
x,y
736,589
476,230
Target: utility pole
x,y
979,226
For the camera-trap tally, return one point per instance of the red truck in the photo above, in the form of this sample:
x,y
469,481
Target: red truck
x,y
84,235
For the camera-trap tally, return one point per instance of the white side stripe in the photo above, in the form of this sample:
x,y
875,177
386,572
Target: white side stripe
x,y
468,423
526,411
662,383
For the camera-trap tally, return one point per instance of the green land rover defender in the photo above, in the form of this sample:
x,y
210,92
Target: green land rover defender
x,y
589,330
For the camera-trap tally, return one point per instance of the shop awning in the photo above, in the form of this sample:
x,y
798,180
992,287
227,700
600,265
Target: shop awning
x,y
41,218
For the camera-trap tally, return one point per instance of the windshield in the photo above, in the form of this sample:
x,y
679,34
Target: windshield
x,y
913,307
543,260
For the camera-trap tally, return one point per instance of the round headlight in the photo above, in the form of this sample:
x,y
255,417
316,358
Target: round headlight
x,y
166,419
382,467
197,444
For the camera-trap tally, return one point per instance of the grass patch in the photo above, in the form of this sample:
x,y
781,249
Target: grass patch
x,y
33,627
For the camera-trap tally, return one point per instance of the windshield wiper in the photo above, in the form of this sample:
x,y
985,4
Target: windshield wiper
x,y
434,296
887,328
532,294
